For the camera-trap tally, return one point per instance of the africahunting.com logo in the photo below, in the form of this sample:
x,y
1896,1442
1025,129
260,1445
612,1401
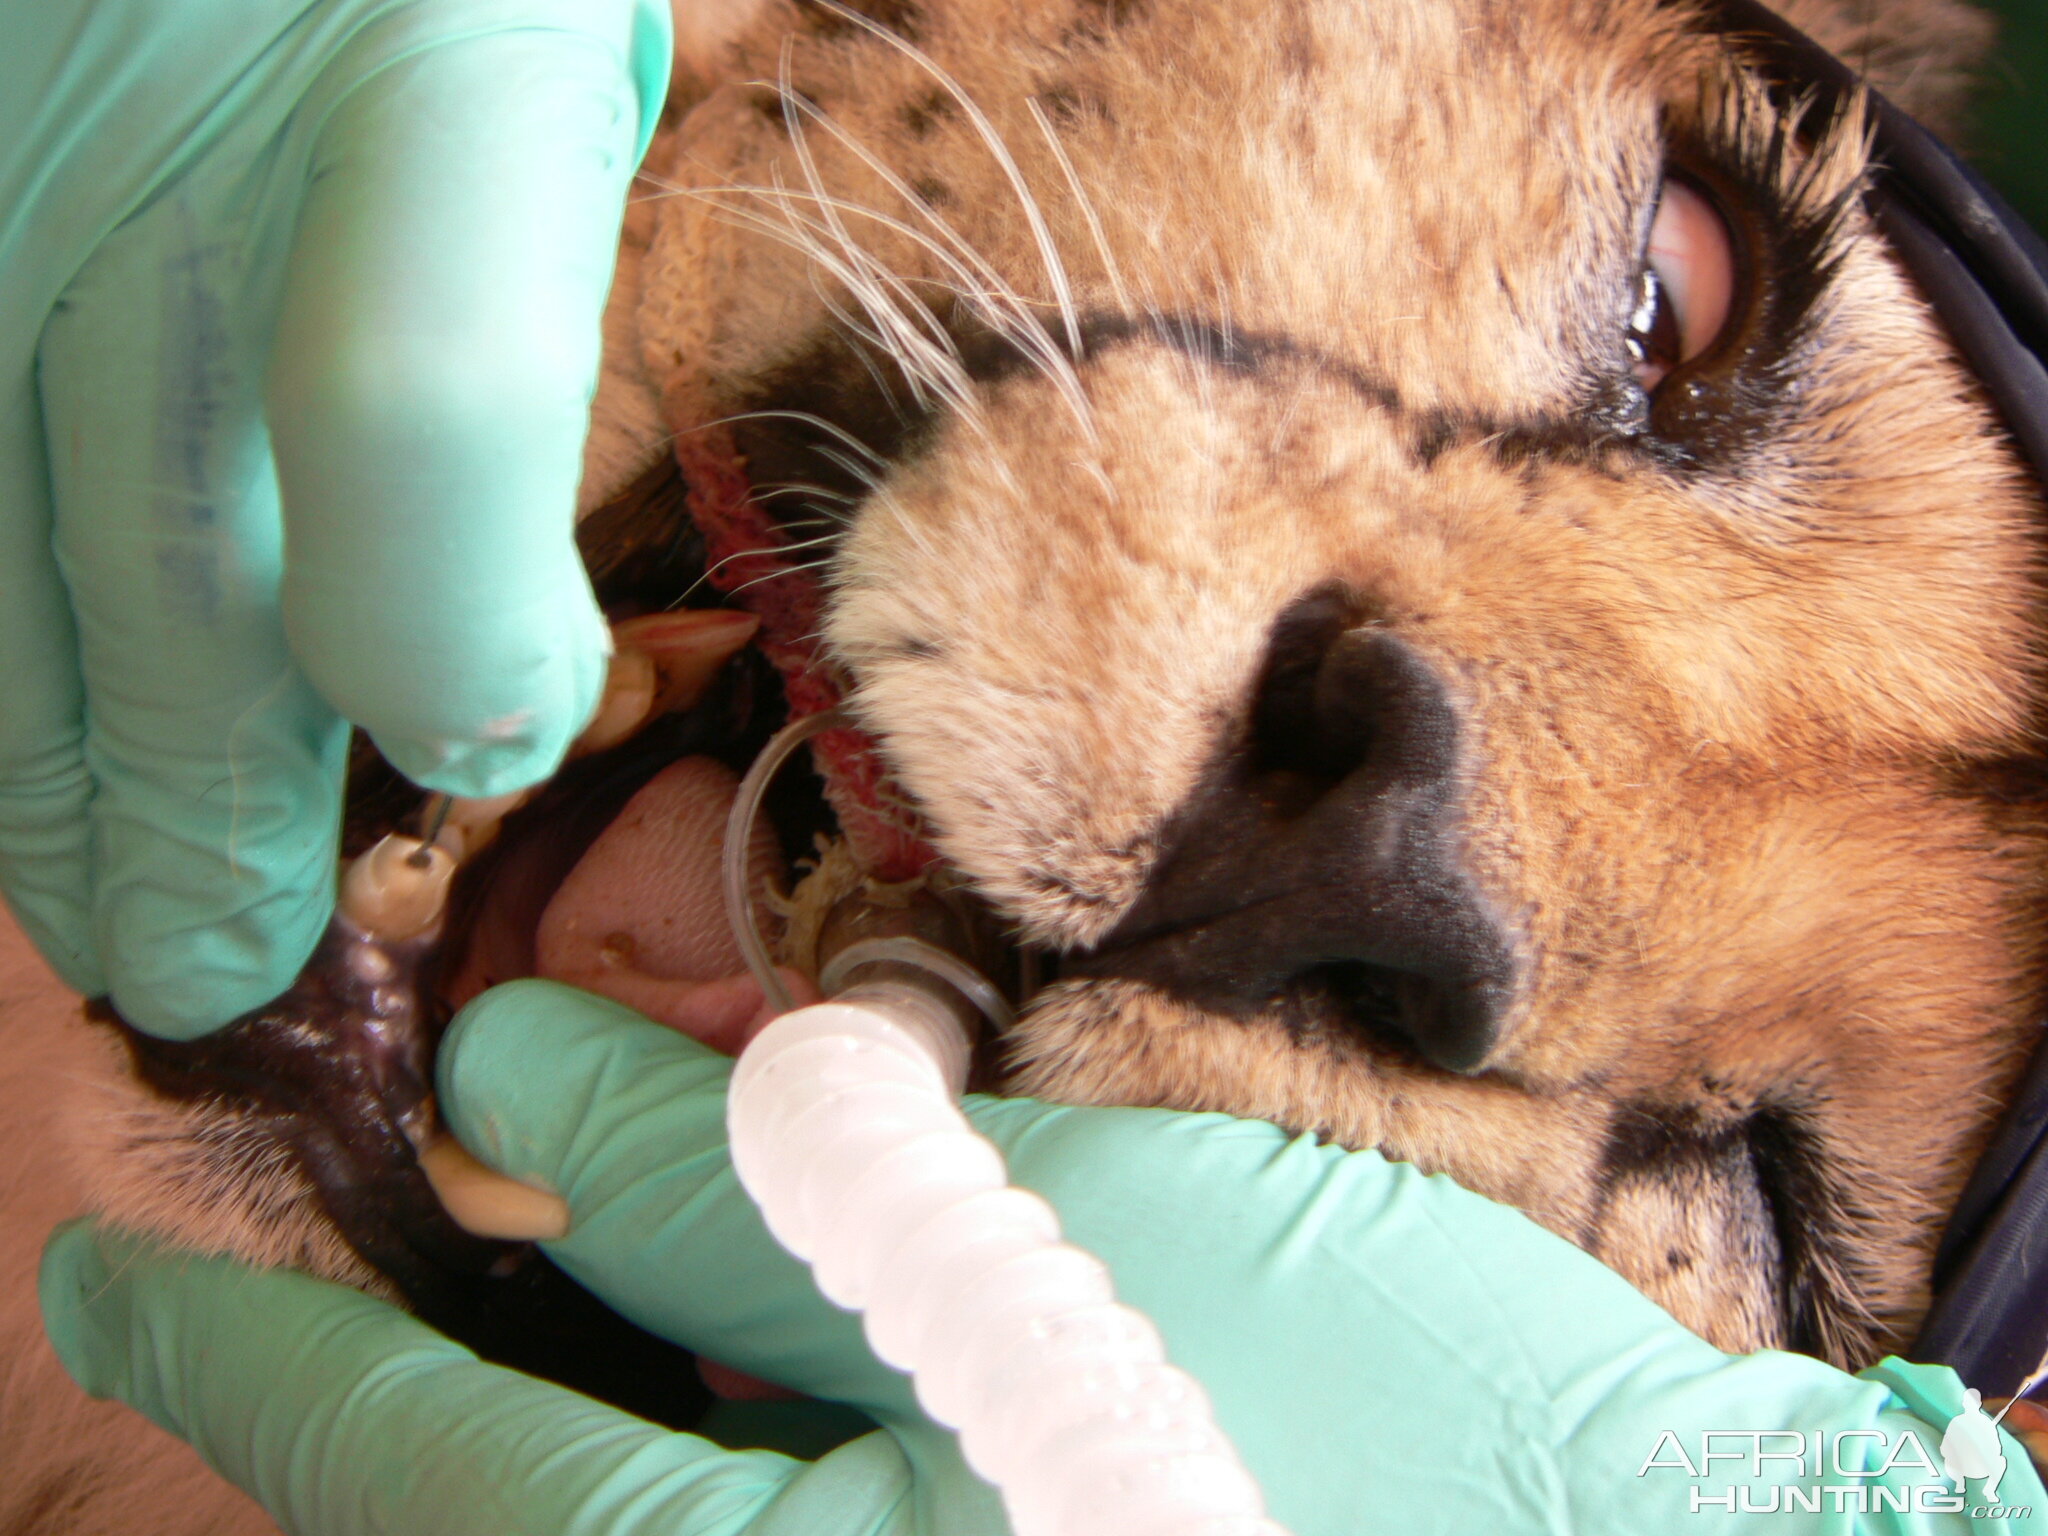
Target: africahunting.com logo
x,y
1861,1471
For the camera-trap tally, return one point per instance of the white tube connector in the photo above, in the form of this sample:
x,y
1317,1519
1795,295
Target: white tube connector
x,y
846,1132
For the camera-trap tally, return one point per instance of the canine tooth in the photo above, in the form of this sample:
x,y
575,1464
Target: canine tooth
x,y
486,1202
687,648
397,888
629,690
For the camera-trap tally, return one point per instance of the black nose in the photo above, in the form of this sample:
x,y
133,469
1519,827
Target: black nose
x,y
1318,868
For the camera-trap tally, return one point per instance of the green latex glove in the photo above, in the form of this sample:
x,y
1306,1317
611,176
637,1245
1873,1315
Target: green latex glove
x,y
299,315
1388,1351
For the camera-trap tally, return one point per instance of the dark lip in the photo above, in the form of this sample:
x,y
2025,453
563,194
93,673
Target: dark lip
x,y
337,1073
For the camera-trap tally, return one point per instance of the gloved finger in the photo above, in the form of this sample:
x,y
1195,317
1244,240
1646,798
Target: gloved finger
x,y
1430,1313
1321,1296
44,789
343,1415
627,1121
436,356
216,767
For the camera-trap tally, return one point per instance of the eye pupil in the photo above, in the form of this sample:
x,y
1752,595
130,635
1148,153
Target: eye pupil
x,y
1655,343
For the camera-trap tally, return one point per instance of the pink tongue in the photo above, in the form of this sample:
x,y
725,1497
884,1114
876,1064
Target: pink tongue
x,y
641,918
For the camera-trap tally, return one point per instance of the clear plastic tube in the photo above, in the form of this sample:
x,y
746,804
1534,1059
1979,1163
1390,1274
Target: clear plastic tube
x,y
847,1132
737,854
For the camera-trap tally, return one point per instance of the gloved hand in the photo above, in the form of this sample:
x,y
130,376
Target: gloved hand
x,y
1388,1351
299,311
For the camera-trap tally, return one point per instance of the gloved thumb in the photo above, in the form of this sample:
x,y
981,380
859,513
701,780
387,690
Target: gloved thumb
x,y
429,394
626,1120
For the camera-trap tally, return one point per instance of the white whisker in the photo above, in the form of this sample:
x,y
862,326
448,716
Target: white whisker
x,y
878,288
924,367
1012,317
761,550
859,472
794,570
797,487
823,538
764,550
839,524
827,243
1020,325
1082,201
991,286
809,420
1034,215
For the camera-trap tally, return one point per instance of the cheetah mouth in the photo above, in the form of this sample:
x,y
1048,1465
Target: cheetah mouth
x,y
605,878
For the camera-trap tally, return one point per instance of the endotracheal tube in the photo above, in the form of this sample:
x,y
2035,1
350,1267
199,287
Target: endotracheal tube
x,y
847,1133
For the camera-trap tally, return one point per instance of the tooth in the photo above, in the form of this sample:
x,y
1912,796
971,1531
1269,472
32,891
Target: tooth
x,y
397,888
688,648
471,824
628,699
486,1202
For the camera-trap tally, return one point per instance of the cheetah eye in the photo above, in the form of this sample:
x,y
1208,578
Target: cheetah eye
x,y
1687,286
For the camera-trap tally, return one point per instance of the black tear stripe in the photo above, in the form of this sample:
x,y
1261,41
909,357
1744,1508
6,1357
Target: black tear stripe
x,y
1815,1228
1782,1198
1984,270
859,392
818,429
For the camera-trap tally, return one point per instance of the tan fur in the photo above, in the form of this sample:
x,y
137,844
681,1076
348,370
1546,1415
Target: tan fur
x,y
197,1174
1923,54
73,1467
1716,718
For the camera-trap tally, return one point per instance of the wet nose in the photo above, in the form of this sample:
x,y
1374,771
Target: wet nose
x,y
1318,869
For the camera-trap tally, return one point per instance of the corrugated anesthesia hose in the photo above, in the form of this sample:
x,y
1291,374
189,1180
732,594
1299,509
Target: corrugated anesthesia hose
x,y
847,1132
